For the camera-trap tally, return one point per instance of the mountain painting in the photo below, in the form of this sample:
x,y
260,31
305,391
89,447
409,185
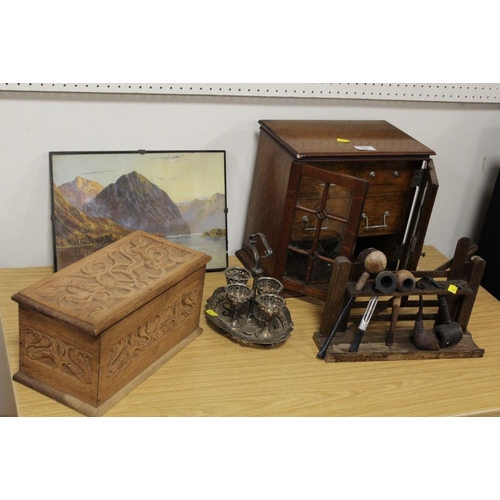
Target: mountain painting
x,y
99,197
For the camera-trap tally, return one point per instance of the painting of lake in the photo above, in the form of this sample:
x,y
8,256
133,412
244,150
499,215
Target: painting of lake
x,y
99,197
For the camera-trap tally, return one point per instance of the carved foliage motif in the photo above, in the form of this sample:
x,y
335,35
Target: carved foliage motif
x,y
146,336
58,355
105,281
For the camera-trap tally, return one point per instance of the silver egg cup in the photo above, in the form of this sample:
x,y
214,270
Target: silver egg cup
x,y
254,315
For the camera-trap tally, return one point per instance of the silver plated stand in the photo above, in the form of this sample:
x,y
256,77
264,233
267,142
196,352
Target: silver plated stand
x,y
256,322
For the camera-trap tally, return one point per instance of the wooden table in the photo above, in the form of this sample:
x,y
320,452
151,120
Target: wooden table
x,y
215,376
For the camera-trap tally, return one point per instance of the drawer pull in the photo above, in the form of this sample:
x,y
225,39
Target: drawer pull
x,y
307,227
367,226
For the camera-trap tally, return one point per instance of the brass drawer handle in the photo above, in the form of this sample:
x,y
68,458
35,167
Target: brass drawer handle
x,y
307,227
367,226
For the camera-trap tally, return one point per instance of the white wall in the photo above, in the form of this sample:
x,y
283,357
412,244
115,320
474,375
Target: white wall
x,y
466,138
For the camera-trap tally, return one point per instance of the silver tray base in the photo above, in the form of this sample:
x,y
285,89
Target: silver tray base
x,y
219,312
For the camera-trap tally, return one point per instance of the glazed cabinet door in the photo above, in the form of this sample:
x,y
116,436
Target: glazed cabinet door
x,y
322,215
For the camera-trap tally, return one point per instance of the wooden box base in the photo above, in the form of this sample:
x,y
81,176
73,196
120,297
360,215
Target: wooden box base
x,y
373,347
93,411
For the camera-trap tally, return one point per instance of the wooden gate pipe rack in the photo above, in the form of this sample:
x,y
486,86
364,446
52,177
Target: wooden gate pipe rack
x,y
464,272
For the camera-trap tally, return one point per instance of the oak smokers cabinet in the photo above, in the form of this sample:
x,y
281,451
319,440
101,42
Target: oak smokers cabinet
x,y
324,189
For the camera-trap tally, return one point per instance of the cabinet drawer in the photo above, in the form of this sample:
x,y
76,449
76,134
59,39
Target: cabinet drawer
x,y
304,229
385,181
313,189
381,215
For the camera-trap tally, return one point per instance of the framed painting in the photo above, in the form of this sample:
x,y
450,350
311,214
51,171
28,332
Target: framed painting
x,y
99,197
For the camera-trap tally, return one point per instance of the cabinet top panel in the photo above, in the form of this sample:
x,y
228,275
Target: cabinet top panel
x,y
346,138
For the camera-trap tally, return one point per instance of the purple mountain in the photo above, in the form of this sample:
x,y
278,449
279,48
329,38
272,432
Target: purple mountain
x,y
136,203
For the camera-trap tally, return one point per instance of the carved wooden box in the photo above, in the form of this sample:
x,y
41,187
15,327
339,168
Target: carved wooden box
x,y
91,333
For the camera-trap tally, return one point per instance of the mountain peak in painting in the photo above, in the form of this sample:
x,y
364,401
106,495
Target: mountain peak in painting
x,y
80,191
136,203
74,228
204,215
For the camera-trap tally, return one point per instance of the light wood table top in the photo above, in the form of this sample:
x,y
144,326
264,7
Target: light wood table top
x,y
214,376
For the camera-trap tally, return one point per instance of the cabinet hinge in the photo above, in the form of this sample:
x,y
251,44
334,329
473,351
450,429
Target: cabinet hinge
x,y
417,178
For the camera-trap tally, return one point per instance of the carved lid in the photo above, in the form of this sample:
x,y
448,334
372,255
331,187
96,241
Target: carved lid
x,y
346,138
101,289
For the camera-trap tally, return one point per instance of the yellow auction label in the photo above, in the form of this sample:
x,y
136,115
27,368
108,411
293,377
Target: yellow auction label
x,y
452,288
211,312
339,139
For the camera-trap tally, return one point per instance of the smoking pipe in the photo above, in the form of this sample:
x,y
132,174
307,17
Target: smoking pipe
x,y
396,304
405,283
449,332
425,340
322,352
385,282
358,336
374,262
